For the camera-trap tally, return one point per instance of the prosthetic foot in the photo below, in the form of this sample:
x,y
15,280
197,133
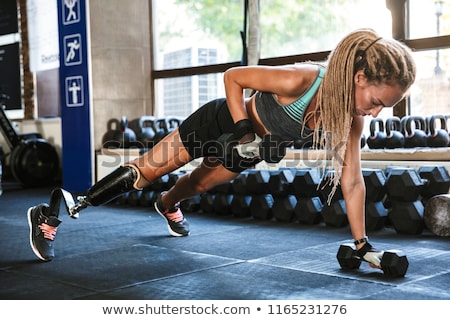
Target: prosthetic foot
x,y
120,181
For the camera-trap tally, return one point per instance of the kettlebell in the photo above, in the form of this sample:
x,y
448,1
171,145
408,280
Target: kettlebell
x,y
173,123
415,137
161,129
437,138
125,136
447,116
377,137
146,135
394,138
109,136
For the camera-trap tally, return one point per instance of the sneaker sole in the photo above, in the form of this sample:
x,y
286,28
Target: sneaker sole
x,y
30,224
173,233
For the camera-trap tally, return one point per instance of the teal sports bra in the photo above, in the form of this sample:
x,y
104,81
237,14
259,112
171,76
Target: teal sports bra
x,y
287,120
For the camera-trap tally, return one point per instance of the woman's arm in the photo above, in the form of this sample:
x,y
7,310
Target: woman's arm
x,y
283,81
352,182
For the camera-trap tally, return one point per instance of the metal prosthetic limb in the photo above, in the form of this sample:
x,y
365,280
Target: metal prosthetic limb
x,y
120,181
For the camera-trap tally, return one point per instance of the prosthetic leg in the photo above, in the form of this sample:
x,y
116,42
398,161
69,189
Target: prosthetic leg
x,y
43,218
120,181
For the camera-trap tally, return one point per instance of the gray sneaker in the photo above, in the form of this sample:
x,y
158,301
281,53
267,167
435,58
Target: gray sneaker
x,y
42,231
176,223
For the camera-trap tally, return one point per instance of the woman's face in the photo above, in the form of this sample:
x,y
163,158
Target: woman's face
x,y
371,98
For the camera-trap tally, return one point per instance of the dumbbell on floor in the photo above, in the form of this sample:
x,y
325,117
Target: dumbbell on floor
x,y
394,263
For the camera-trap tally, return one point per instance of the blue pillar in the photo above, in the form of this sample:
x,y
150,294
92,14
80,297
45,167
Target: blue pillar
x,y
77,146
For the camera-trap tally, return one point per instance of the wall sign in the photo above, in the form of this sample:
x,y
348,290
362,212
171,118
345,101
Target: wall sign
x,y
77,145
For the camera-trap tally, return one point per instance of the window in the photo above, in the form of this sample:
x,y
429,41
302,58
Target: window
x,y
195,33
430,93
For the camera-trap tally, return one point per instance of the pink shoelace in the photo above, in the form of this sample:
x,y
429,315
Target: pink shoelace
x,y
48,231
176,216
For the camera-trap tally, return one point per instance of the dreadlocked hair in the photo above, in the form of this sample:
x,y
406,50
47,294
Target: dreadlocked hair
x,y
384,61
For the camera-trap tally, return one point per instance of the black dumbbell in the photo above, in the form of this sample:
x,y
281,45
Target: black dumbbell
x,y
309,210
222,203
280,184
207,202
437,180
376,215
240,205
403,184
191,204
375,181
261,206
283,208
257,181
335,214
305,183
394,263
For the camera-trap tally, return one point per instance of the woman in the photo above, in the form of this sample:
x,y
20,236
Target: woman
x,y
364,74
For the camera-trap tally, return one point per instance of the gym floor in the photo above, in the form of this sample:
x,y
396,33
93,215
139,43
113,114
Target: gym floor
x,y
124,252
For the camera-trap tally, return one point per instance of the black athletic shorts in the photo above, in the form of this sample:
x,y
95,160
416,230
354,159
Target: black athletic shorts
x,y
199,133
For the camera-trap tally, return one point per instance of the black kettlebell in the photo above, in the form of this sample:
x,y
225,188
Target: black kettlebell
x,y
363,141
125,136
447,116
146,135
394,138
160,126
377,137
415,137
173,123
437,138
109,136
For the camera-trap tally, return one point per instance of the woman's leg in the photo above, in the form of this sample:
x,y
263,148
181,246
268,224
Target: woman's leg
x,y
166,156
209,174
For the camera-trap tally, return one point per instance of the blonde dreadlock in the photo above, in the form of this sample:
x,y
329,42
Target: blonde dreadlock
x,y
384,61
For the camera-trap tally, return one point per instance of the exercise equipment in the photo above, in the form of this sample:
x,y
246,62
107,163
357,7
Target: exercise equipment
x,y
414,137
146,133
394,263
394,138
375,182
270,148
404,187
335,214
33,161
261,206
240,205
407,217
377,135
257,181
306,182
309,210
437,137
119,135
376,215
437,215
280,182
283,208
436,179
403,184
